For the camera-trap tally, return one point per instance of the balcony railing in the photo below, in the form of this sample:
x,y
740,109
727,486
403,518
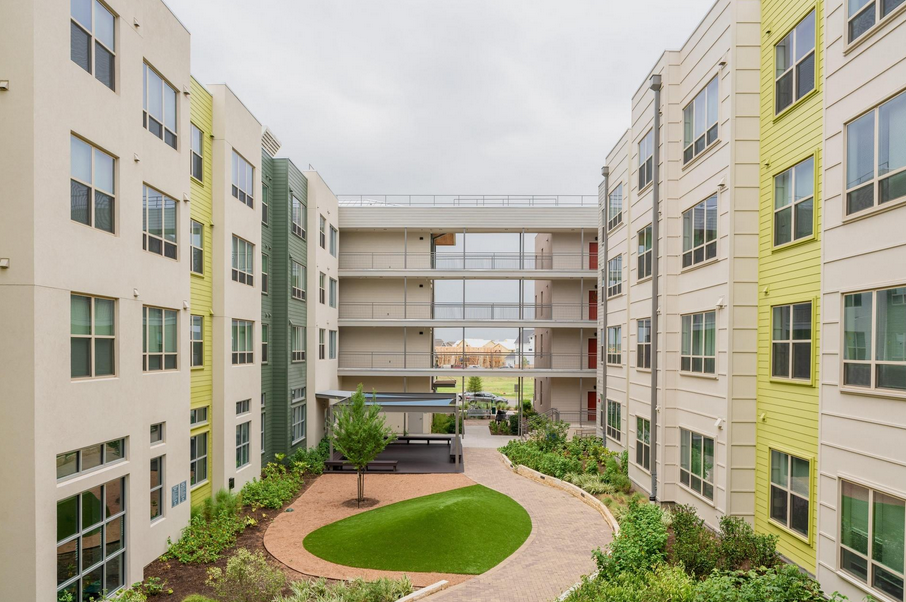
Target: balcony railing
x,y
395,310
458,200
391,360
468,261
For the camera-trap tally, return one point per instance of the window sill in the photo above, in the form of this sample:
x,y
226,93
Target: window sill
x,y
197,181
644,189
199,425
197,275
882,393
879,596
791,381
617,227
803,538
851,46
876,209
699,375
787,110
617,441
642,468
297,441
696,494
704,153
91,379
609,297
698,265
620,365
158,520
197,485
646,370
794,243
643,280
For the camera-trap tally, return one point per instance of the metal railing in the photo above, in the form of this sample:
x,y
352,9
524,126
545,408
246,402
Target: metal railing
x,y
398,310
467,261
466,200
450,361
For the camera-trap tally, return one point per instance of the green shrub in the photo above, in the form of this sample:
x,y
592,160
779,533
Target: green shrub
x,y
592,483
640,544
613,474
548,435
247,578
312,458
197,598
663,584
694,546
135,593
784,584
212,529
381,590
742,548
276,487
514,424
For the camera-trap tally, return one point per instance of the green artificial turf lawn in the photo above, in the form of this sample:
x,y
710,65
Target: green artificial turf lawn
x,y
465,531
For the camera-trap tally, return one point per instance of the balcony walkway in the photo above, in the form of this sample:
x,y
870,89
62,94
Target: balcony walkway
x,y
459,315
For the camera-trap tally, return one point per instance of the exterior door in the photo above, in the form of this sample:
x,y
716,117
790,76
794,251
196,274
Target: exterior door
x,y
592,354
593,304
592,256
592,406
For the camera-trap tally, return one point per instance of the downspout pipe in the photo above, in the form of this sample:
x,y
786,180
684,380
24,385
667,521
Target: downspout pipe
x,y
655,249
602,293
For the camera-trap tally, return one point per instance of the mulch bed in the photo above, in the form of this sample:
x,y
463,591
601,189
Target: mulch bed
x,y
186,579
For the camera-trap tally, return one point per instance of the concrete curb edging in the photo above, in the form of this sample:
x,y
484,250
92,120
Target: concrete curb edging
x,y
425,591
569,488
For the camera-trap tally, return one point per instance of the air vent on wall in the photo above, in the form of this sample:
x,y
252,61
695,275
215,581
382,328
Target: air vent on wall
x,y
269,142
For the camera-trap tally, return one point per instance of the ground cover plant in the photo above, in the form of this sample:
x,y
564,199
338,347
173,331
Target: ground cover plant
x,y
465,531
358,590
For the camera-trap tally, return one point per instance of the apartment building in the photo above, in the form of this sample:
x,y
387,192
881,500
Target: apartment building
x,y
692,151
789,275
861,495
96,117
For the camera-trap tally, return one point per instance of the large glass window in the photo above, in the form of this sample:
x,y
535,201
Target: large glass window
x,y
615,276
643,344
265,268
243,443
157,487
794,64
700,232
790,486
646,159
881,134
332,345
697,463
93,27
863,14
196,241
158,223
265,335
197,341
243,342
92,329
298,281
196,168
872,530
92,193
91,457
323,232
332,297
243,261
322,287
91,543
643,442
644,252
614,345
791,341
700,119
198,458
298,343
615,207
699,343
159,339
297,427
265,202
334,237
298,218
794,202
322,343
614,421
878,316
160,99
198,416
243,180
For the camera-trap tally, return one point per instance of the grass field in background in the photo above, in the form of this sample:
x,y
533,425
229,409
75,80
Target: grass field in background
x,y
499,385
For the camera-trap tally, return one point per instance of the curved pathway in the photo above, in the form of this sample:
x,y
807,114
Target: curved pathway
x,y
564,533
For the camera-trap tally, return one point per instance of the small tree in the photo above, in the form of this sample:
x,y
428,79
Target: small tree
x,y
474,385
360,434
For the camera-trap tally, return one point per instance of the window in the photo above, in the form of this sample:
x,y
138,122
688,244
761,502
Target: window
x,y
92,343
196,241
158,223
700,119
643,344
196,169
614,422
263,422
89,458
92,194
196,338
333,292
243,342
298,344
643,442
91,545
322,284
265,201
790,481
159,345
698,354
157,487
645,242
871,538
264,269
242,444
879,133
878,316
298,281
265,334
614,345
333,241
297,422
794,64
198,458
298,218
157,433
794,200
321,338
700,232
198,416
615,276
323,234
243,407
332,345
697,463
646,159
243,180
160,98
93,26
615,207
243,261
791,341
863,14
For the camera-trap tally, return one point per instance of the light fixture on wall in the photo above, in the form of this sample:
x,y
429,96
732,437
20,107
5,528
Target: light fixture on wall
x,y
719,423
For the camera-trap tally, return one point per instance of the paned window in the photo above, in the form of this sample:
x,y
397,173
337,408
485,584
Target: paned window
x,y
794,203
198,416
243,342
697,463
265,203
298,218
243,432
700,232
790,485
197,341
265,267
160,99
332,345
794,64
159,339
158,223
243,180
614,420
322,346
93,28
263,422
645,242
791,341
243,261
322,287
881,134
643,344
323,232
91,457
863,14
333,292
334,236
196,241
615,345
198,458
879,317
615,276
615,207
298,281
265,335
646,159
92,192
92,329
298,422
157,487
700,119
643,442
157,433
243,407
196,169
298,343
699,343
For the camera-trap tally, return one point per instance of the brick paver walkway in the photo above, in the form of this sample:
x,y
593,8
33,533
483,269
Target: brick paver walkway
x,y
556,555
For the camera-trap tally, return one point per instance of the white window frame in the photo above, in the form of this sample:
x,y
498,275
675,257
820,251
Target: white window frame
x,y
322,288
265,268
158,489
788,490
689,470
297,281
297,421
158,429
322,343
94,42
196,155
334,239
643,443
199,459
265,203
243,349
322,238
645,238
878,19
793,69
332,342
92,336
614,275
265,336
196,244
93,189
688,323
614,414
646,160
643,347
242,189
243,444
243,271
870,346
792,204
243,407
263,423
708,247
193,342
297,337
166,244
333,292
614,207
102,454
790,343
198,416
163,354
297,215
165,132
710,133
614,346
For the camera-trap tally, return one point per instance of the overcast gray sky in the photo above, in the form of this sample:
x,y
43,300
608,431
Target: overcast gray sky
x,y
439,96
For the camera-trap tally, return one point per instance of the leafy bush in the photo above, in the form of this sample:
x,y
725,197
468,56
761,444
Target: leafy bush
x,y
742,548
382,590
613,474
592,483
247,578
663,584
445,424
212,529
547,434
784,584
197,598
640,544
514,424
135,593
276,487
694,546
312,458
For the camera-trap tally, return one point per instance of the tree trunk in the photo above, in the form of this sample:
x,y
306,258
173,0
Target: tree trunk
x,y
361,487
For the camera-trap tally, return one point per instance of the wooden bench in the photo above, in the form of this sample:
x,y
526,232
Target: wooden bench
x,y
426,438
374,466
